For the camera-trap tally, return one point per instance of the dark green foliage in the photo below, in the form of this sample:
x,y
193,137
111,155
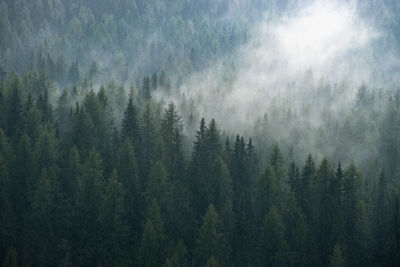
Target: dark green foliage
x,y
14,109
74,75
42,220
337,259
11,258
297,233
171,132
210,241
113,227
74,191
267,193
130,127
128,176
5,208
153,239
277,163
180,257
86,220
272,246
90,177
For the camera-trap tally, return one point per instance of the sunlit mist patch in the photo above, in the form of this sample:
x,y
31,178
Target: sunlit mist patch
x,y
320,33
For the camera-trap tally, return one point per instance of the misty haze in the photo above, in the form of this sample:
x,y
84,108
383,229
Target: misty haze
x,y
199,133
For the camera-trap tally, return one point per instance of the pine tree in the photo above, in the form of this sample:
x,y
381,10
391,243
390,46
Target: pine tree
x,y
14,109
45,107
306,182
24,179
74,75
31,119
151,249
130,127
322,211
71,173
111,219
81,131
146,88
149,137
277,162
62,112
42,221
171,132
337,204
154,81
242,202
266,193
252,158
89,196
353,215
68,191
297,233
210,241
46,152
128,173
294,178
381,219
213,140
271,242
159,187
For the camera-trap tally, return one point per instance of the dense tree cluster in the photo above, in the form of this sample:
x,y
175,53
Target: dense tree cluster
x,y
81,39
79,187
98,167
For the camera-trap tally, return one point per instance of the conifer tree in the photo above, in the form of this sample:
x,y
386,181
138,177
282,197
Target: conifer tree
x,y
86,221
272,245
171,132
277,162
45,107
149,137
159,187
14,109
128,173
306,183
210,241
146,88
152,249
31,119
353,215
294,178
130,127
266,193
111,219
42,220
297,233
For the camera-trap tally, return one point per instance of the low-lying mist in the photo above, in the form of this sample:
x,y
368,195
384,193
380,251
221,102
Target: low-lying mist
x,y
299,72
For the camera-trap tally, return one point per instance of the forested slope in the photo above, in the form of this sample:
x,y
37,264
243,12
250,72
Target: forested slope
x,y
110,156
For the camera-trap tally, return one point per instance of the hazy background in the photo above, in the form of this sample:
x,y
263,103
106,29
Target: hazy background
x,y
287,72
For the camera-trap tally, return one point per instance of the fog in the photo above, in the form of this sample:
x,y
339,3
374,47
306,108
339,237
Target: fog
x,y
299,72
286,56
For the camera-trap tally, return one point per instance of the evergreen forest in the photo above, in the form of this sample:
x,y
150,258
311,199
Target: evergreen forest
x,y
180,133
